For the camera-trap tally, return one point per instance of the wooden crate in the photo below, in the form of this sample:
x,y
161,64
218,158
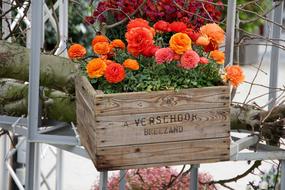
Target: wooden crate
x,y
145,129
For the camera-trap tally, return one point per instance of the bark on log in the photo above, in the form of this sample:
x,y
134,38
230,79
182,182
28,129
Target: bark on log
x,y
56,105
56,72
268,123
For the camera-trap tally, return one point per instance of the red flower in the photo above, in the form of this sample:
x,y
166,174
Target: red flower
x,y
139,39
177,27
114,73
138,22
150,51
192,34
161,26
211,47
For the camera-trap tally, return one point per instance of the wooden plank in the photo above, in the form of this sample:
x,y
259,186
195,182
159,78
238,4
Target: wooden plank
x,y
175,163
86,140
87,92
162,127
159,101
85,115
159,154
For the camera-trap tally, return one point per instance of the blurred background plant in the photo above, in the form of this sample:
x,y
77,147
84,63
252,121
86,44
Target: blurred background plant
x,y
78,32
114,14
249,14
155,179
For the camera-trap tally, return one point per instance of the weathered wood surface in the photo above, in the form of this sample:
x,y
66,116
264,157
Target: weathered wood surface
x,y
163,154
132,130
151,102
161,127
85,115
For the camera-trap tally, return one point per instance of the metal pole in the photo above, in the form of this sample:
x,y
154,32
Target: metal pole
x,y
122,184
194,177
63,31
59,169
63,27
37,163
282,180
230,33
274,65
4,174
103,180
32,161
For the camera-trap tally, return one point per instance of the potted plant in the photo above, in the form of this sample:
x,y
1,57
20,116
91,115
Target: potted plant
x,y
157,99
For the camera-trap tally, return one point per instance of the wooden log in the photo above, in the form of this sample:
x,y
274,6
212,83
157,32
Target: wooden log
x,y
55,72
56,105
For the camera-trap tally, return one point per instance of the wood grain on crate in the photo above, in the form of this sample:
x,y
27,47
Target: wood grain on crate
x,y
143,128
133,130
148,102
171,153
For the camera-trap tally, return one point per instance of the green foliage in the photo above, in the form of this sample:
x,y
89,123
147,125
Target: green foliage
x,y
245,15
154,77
78,32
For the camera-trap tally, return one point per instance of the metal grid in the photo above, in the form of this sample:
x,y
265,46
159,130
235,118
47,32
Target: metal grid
x,y
70,142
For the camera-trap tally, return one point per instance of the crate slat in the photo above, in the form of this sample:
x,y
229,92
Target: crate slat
x,y
143,128
163,154
148,102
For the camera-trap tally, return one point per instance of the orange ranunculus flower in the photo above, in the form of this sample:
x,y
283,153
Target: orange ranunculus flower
x,y
138,22
235,75
99,38
214,32
102,48
131,64
117,43
76,51
218,56
180,43
202,41
96,68
138,39
114,73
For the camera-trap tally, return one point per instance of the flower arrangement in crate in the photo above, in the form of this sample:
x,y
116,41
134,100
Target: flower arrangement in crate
x,y
157,96
165,56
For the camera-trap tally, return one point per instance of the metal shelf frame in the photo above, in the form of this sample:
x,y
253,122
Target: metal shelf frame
x,y
63,137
